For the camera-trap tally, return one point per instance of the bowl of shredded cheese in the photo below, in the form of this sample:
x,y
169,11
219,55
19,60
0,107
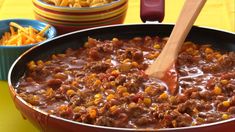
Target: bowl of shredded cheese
x,y
19,35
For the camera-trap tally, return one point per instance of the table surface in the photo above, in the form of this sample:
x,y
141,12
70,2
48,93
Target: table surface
x,y
216,13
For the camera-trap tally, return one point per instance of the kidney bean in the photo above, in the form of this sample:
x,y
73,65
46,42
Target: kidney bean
x,y
54,83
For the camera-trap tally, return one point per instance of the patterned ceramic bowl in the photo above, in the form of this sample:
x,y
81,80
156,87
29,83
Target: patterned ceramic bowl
x,y
67,19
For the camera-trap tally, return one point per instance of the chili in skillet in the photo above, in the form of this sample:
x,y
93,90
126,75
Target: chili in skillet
x,y
104,84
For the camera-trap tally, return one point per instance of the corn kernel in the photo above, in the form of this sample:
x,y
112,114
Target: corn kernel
x,y
49,93
102,89
226,103
221,58
148,90
115,72
108,60
209,57
190,50
91,42
67,72
155,108
34,100
79,92
218,55
61,55
225,116
74,83
110,96
102,110
147,101
77,109
153,55
125,94
86,44
163,96
132,105
114,40
48,62
157,46
194,124
113,83
32,65
224,82
137,39
113,108
125,67
195,52
97,82
208,50
54,56
217,90
126,60
63,108
93,75
174,123
121,89
40,62
98,96
134,64
92,113
195,110
60,76
97,101
70,92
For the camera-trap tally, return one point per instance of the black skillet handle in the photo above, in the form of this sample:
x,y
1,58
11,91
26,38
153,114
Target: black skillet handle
x,y
152,10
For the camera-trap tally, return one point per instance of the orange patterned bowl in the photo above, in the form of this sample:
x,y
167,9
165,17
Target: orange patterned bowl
x,y
67,19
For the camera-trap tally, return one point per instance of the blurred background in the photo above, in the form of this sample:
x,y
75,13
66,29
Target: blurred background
x,y
216,13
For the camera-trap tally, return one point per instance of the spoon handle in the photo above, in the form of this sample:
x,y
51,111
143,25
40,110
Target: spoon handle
x,y
183,25
189,13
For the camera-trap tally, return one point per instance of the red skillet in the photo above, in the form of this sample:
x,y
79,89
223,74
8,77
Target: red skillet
x,y
219,39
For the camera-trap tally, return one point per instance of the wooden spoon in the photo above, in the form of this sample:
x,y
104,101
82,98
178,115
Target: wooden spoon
x,y
164,66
